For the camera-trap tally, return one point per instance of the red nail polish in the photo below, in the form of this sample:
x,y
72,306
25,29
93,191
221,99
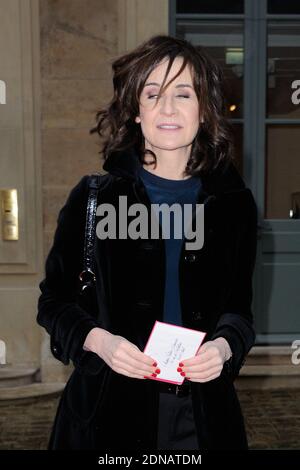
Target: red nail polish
x,y
179,369
182,373
154,364
153,375
157,371
180,364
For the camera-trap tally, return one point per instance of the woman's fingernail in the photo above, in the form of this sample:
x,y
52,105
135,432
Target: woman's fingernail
x,y
180,364
153,375
154,364
179,369
182,373
157,371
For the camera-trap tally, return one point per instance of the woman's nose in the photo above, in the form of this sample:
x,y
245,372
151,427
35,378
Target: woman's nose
x,y
168,105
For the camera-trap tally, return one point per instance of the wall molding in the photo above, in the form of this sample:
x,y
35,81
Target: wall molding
x,y
20,133
140,19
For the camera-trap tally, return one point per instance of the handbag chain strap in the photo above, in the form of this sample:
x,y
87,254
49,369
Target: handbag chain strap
x,y
87,275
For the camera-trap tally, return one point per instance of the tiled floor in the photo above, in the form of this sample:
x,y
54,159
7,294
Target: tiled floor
x,y
272,419
25,424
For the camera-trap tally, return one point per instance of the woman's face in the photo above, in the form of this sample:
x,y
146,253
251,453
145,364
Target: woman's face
x,y
173,123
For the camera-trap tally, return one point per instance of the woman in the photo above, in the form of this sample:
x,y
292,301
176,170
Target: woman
x,y
166,140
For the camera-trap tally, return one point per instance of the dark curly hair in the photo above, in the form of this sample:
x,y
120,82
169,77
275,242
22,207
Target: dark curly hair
x,y
116,124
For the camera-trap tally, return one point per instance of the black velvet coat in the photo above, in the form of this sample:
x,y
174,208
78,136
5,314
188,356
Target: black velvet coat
x,y
101,409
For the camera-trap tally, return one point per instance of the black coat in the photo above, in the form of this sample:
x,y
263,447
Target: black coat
x,y
101,409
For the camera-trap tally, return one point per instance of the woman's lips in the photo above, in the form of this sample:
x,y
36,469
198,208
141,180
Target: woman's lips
x,y
169,128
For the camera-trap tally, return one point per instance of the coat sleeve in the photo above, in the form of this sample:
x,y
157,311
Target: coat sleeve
x,y
58,312
236,322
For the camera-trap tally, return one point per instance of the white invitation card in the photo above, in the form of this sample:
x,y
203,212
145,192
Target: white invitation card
x,y
170,344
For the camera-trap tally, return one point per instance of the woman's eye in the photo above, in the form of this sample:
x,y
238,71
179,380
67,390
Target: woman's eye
x,y
179,96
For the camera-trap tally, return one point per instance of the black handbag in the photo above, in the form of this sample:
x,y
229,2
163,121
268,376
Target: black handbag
x,y
89,363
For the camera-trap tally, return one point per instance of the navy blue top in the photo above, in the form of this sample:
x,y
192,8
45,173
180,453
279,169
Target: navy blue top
x,y
162,190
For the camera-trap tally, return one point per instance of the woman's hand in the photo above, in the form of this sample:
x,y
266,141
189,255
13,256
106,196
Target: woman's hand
x,y
208,363
120,354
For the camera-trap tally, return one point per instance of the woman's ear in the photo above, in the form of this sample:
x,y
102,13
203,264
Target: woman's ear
x,y
137,119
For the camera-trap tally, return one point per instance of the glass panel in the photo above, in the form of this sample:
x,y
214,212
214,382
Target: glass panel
x,y
238,147
210,6
283,69
223,41
287,7
282,172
